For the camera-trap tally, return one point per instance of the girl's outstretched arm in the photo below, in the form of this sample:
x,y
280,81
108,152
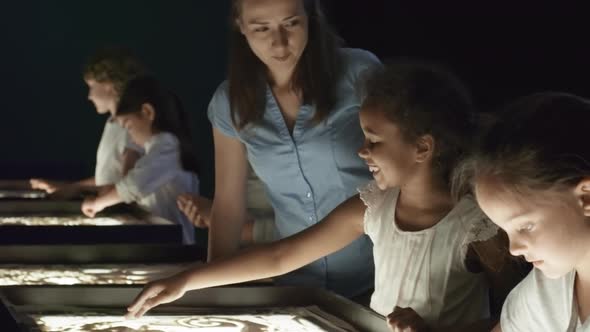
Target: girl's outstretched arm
x,y
63,189
341,227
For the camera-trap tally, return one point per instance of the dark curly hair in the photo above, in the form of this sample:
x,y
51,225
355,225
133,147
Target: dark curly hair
x,y
424,98
113,65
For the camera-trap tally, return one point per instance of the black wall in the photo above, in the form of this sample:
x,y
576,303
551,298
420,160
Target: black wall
x,y
49,129
502,49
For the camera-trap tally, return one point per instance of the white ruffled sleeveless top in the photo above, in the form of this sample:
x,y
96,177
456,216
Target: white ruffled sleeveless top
x,y
425,270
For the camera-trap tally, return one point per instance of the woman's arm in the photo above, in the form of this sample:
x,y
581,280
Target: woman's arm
x,y
341,227
228,213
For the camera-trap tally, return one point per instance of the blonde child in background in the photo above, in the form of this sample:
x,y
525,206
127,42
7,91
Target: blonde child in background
x,y
106,74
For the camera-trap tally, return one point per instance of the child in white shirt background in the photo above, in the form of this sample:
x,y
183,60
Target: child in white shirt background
x,y
106,74
155,120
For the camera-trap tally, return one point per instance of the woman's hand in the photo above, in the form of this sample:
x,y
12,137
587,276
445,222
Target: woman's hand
x,y
406,320
196,208
91,206
156,293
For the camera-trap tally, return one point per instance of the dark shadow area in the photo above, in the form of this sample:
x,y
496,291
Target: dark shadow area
x,y
50,129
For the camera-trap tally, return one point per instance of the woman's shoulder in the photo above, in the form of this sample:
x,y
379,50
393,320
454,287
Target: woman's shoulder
x,y
219,110
222,91
355,62
357,56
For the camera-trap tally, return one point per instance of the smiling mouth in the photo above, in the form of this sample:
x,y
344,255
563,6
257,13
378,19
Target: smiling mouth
x,y
282,58
374,169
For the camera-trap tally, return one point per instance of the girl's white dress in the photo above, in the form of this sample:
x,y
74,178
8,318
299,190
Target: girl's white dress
x,y
425,270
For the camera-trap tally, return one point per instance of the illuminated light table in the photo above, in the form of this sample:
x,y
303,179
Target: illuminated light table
x,y
22,194
62,222
251,309
94,264
19,190
93,274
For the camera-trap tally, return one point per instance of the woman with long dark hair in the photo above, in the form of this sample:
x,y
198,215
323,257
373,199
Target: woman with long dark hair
x,y
290,108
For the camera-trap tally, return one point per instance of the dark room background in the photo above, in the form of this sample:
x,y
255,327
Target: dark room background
x,y
49,129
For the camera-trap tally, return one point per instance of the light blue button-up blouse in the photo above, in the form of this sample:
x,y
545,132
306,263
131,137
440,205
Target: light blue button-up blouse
x,y
310,173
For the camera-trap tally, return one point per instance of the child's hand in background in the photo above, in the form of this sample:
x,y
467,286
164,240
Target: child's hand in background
x,y
195,208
